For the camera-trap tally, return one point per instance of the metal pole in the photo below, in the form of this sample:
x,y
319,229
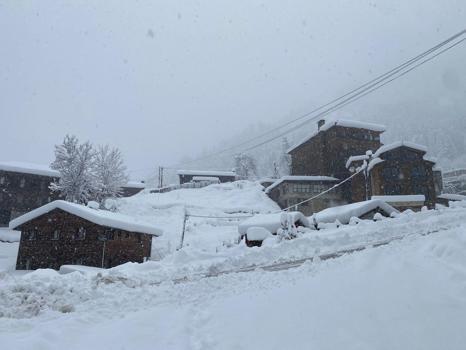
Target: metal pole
x,y
184,229
103,253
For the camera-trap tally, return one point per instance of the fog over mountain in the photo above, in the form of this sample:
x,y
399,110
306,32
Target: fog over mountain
x,y
168,81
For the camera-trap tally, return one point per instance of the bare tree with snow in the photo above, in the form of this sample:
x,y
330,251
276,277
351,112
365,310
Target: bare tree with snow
x,y
110,172
75,162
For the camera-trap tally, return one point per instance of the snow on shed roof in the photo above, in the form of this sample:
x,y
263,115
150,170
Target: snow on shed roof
x,y
344,213
340,122
397,144
97,216
299,178
271,222
29,168
401,198
135,184
206,173
452,197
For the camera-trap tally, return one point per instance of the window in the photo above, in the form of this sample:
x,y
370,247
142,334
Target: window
x,y
80,234
56,235
22,183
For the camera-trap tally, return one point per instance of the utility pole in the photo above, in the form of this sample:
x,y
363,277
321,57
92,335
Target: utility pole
x,y
160,176
370,156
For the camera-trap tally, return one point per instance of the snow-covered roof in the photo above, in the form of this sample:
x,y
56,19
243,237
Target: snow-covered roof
x,y
206,173
401,198
206,178
299,178
97,216
340,122
394,145
271,222
344,213
353,124
452,197
135,184
29,168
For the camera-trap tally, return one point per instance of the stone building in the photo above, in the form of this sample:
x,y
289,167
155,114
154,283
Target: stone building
x,y
396,169
24,187
186,176
290,190
326,151
63,233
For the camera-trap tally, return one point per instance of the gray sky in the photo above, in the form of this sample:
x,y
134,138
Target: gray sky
x,y
165,79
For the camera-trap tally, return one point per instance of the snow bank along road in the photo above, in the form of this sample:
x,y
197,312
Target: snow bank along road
x,y
410,294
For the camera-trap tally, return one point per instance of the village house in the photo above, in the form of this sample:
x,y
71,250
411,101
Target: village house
x,y
326,151
455,181
62,233
398,169
288,191
24,187
213,176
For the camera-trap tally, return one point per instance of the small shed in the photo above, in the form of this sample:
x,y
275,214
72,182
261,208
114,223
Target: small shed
x,y
63,233
361,210
446,198
414,202
132,187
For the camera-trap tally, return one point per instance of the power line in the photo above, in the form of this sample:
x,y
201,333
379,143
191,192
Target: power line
x,y
354,94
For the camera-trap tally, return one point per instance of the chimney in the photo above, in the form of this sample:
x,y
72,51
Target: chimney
x,y
320,123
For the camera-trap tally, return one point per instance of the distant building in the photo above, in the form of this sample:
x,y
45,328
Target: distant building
x,y
326,151
397,169
288,191
63,233
186,176
24,187
454,181
132,188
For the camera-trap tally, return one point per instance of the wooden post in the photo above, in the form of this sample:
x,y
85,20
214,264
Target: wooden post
x,y
184,229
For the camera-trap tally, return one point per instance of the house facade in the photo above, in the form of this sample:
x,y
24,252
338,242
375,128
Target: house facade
x,y
288,191
397,169
24,187
62,233
325,152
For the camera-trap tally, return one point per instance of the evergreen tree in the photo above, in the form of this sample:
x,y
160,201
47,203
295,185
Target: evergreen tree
x,y
75,163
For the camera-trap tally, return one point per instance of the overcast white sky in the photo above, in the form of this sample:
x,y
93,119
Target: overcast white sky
x,y
165,79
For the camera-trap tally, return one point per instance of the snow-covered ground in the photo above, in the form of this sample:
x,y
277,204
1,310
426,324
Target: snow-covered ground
x,y
410,294
166,210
